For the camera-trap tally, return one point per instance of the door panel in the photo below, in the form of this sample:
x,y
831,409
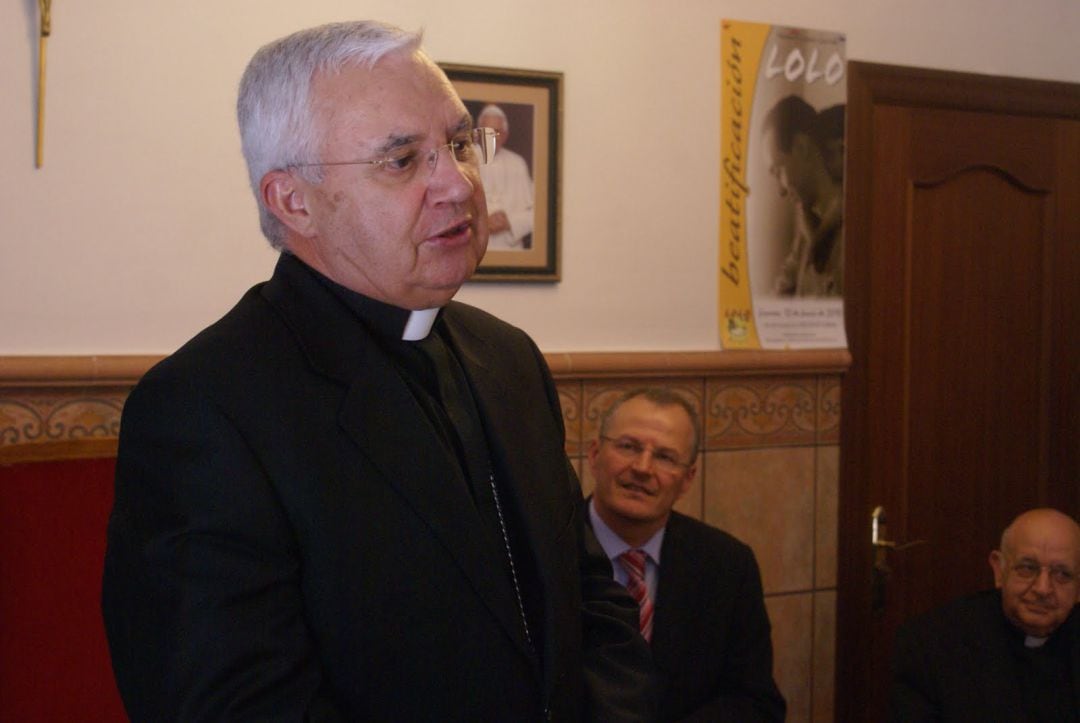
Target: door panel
x,y
960,409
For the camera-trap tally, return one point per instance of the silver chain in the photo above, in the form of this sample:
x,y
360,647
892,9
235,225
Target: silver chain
x,y
510,557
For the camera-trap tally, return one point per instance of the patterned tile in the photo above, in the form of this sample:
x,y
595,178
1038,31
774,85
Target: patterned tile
x,y
570,401
765,497
760,412
59,416
828,420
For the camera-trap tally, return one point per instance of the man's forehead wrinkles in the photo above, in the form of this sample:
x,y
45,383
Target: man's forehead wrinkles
x,y
399,138
1042,550
630,436
464,123
1054,560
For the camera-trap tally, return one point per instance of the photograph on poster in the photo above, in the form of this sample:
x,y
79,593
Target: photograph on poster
x,y
800,145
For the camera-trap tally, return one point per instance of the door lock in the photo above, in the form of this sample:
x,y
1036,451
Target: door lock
x,y
879,578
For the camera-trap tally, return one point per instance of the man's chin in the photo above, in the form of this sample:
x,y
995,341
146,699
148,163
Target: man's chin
x,y
635,506
1038,625
442,284
1038,632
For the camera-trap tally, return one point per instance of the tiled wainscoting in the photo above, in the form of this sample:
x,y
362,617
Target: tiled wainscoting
x,y
768,475
768,472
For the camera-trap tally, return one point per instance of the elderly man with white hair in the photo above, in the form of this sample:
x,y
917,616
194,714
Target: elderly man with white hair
x,y
349,499
508,186
1010,654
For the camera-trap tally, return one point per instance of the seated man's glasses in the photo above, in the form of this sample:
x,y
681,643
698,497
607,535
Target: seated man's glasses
x,y
475,147
630,449
1029,570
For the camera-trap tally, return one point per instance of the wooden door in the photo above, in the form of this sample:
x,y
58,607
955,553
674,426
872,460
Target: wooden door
x,y
963,312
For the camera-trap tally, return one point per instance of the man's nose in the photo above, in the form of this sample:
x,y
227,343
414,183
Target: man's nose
x,y
449,176
643,462
1042,582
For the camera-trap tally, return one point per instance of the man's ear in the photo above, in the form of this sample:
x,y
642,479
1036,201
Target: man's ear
x,y
997,563
687,480
592,452
285,196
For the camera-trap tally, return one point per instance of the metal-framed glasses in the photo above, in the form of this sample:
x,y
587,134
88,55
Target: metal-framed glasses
x,y
475,147
1029,570
630,449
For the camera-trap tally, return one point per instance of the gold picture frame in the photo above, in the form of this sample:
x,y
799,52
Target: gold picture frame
x,y
532,103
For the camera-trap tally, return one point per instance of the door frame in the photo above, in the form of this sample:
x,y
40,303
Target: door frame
x,y
871,85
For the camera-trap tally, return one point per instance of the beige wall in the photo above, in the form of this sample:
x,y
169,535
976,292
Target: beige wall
x,y
140,228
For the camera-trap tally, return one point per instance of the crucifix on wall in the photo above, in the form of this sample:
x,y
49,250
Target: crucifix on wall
x,y
45,8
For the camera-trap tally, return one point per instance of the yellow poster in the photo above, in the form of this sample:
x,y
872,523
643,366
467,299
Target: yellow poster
x,y
780,275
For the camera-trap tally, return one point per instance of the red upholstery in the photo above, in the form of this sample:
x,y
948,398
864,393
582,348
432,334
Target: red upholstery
x,y
54,662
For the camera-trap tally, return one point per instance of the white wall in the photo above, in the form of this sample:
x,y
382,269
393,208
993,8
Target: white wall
x,y
140,228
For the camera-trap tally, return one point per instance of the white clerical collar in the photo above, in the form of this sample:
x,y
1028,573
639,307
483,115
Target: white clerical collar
x,y
1030,641
419,324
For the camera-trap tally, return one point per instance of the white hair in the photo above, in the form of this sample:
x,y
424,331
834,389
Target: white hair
x,y
492,109
277,127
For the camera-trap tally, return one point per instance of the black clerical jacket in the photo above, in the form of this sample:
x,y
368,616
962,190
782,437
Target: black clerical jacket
x,y
290,541
961,662
711,634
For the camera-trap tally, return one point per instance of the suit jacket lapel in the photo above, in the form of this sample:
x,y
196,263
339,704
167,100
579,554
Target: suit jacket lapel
x,y
993,643
407,452
670,604
380,414
514,442
511,439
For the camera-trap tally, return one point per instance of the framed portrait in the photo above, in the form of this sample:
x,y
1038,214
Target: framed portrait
x,y
522,180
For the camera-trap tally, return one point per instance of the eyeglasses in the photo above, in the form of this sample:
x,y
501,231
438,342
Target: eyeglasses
x,y
475,148
628,448
1029,570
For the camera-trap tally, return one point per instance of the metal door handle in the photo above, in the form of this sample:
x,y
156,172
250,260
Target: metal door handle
x,y
877,524
879,579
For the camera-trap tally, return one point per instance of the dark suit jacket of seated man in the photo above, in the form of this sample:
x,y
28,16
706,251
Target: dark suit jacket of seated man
x,y
1010,654
349,498
710,632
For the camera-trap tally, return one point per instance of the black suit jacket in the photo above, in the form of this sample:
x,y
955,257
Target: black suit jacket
x,y
711,634
291,541
958,663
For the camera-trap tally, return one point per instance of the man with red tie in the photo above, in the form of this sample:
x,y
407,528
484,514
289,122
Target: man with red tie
x,y
697,587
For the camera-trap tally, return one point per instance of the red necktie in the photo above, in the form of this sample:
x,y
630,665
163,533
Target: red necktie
x,y
634,562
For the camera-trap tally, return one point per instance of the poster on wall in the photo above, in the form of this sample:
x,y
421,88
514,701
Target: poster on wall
x,y
781,274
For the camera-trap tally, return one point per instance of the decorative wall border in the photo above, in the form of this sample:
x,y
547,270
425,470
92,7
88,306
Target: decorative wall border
x,y
64,407
608,365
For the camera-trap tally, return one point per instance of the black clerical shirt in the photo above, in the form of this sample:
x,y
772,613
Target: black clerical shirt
x,y
433,373
1046,677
